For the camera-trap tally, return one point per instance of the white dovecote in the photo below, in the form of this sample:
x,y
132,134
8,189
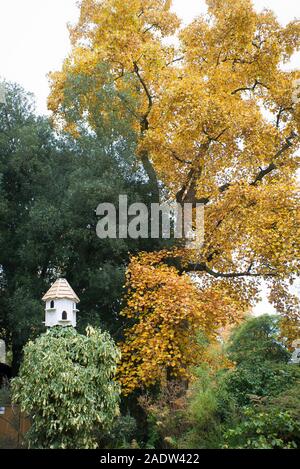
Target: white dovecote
x,y
60,304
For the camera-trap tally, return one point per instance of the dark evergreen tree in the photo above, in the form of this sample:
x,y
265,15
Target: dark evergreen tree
x,y
50,187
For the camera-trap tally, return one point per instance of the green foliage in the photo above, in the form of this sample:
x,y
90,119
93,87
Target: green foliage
x,y
193,418
121,434
261,360
257,340
264,387
275,423
256,404
260,429
50,187
260,379
288,400
154,434
203,416
66,385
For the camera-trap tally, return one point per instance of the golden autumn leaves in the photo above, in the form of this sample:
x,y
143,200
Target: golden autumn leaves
x,y
216,123
168,310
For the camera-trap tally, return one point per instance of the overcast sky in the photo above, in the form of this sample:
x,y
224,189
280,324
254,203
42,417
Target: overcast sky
x,y
34,39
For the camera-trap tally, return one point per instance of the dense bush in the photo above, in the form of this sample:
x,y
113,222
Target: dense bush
x,y
260,379
264,429
66,386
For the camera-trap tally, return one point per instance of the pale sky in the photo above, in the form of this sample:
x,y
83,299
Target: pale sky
x,y
34,39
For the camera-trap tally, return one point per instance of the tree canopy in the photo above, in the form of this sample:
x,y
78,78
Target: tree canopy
x,y
217,124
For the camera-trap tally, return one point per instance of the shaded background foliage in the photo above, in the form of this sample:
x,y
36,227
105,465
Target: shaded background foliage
x,y
253,404
50,187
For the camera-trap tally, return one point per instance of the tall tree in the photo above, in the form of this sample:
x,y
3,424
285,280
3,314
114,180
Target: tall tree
x,y
217,123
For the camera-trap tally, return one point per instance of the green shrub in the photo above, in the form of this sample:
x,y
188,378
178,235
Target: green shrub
x,y
257,340
264,429
260,379
121,434
66,386
209,406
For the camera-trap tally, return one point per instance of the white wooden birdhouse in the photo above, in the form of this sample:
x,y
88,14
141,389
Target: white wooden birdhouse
x,y
61,305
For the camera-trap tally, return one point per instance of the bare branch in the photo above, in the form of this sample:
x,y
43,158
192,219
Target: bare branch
x,y
155,25
148,94
272,166
258,46
148,167
252,88
147,164
214,139
174,60
280,112
202,267
180,160
263,173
